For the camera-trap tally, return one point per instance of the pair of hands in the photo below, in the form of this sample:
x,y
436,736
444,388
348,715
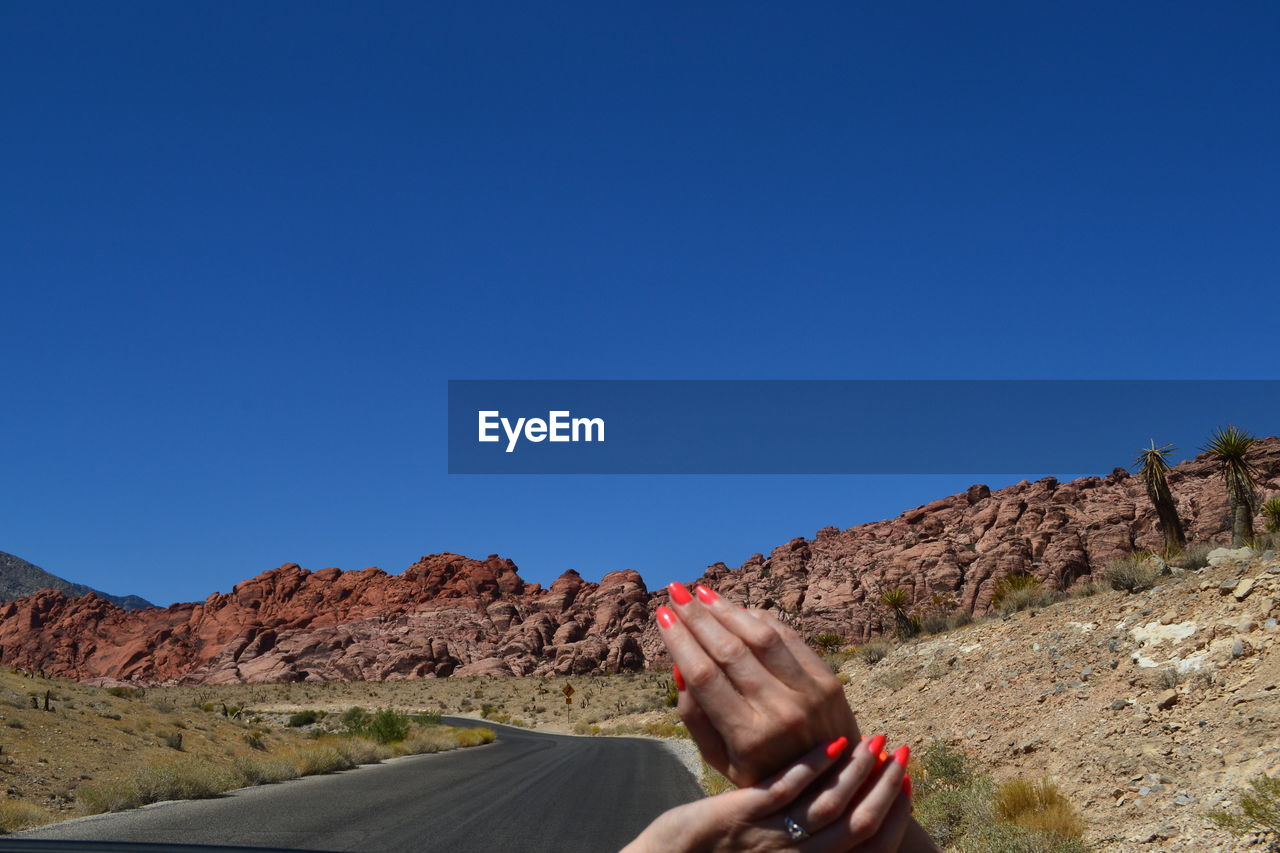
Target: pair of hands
x,y
754,696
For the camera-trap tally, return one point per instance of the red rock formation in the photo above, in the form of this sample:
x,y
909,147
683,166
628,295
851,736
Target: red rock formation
x,y
448,614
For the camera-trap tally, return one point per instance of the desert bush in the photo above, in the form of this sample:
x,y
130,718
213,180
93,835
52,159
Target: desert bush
x,y
303,718
874,651
474,737
427,718
671,696
1132,572
110,796
359,750
964,811
426,741
173,740
263,771
1194,556
127,692
181,780
1010,838
321,758
16,815
894,679
387,726
1020,591
1258,811
256,740
354,718
151,783
1039,807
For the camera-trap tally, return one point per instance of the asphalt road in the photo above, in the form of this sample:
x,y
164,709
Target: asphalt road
x,y
527,792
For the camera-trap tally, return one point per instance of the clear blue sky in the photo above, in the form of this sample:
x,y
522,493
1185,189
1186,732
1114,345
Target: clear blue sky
x,y
244,246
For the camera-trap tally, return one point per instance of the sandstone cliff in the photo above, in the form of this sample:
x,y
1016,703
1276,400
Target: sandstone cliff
x,y
450,615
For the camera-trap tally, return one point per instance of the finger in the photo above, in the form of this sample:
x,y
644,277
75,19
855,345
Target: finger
x,y
804,656
893,829
704,734
870,811
887,839
823,806
703,678
760,636
779,791
724,647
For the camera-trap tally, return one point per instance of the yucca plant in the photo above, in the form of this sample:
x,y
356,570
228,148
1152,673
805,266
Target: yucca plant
x,y
1152,466
897,600
1271,512
1230,447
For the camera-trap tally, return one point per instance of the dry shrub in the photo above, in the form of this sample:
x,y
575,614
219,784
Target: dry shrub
x,y
1258,812
426,741
358,750
874,651
321,758
181,780
1194,556
263,771
157,781
474,737
1039,807
1132,572
16,815
1021,592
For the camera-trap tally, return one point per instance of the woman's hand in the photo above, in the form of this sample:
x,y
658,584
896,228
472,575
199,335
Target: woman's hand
x,y
757,695
828,801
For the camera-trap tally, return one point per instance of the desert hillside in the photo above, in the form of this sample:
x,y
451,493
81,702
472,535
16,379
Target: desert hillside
x,y
1148,709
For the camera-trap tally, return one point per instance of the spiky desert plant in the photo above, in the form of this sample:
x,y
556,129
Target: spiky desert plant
x,y
1271,512
897,600
1230,447
1153,467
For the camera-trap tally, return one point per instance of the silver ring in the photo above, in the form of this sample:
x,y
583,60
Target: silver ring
x,y
795,830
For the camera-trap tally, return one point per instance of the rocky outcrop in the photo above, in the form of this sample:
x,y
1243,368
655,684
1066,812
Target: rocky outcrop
x,y
452,615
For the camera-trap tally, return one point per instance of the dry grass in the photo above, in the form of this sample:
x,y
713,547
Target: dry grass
x,y
1132,572
16,815
1039,807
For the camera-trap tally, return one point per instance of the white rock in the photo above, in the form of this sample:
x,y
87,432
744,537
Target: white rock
x,y
1218,556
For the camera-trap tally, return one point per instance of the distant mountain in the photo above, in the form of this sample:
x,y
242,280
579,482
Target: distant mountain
x,y
19,578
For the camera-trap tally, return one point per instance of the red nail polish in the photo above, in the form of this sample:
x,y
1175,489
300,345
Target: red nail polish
x,y
906,784
903,755
837,746
666,618
675,671
706,596
679,594
876,746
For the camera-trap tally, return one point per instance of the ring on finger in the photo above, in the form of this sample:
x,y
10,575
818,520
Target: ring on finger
x,y
794,830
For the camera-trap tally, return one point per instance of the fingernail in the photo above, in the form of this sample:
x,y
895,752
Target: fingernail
x,y
679,594
876,746
666,618
675,671
837,746
906,784
903,755
706,596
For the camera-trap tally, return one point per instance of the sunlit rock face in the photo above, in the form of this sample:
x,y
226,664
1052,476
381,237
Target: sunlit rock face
x,y
447,614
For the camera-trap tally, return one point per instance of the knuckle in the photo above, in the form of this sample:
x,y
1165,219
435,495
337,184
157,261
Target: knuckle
x,y
824,810
762,637
862,825
730,650
700,674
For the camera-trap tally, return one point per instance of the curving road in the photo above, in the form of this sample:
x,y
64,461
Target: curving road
x,y
527,792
